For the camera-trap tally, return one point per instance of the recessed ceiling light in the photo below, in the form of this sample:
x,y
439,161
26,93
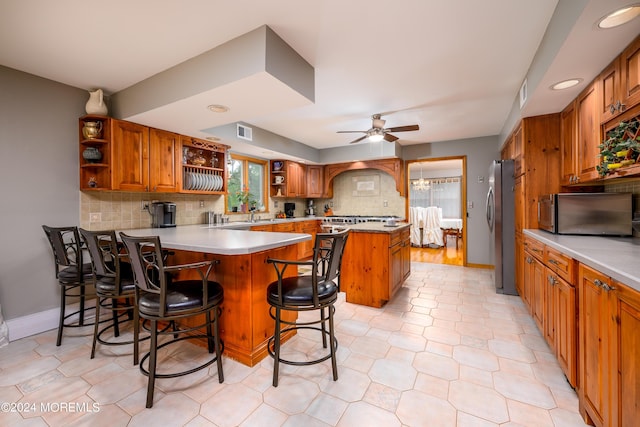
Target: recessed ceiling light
x,y
620,16
217,108
213,138
566,84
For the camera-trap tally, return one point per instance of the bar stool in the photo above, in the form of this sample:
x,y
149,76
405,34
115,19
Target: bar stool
x,y
115,288
73,275
318,291
163,299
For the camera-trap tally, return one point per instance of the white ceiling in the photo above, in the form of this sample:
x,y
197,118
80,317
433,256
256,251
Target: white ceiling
x,y
454,67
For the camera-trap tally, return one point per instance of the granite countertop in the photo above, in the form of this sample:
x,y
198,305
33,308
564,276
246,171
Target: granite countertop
x,y
616,257
200,238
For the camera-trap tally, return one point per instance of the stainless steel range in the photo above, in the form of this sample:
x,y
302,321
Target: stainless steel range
x,y
355,219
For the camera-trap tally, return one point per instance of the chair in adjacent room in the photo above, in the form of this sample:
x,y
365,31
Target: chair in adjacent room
x,y
317,291
164,299
115,289
73,274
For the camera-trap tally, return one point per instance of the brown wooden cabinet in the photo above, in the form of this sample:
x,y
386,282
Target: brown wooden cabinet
x,y
95,169
203,166
566,328
130,156
568,146
137,158
371,276
517,148
144,158
315,181
288,179
620,83
625,356
305,249
587,133
594,344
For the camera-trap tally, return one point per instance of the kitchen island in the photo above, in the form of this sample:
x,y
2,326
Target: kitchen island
x,y
376,262
245,324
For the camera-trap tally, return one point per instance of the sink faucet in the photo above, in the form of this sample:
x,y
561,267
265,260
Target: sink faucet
x,y
252,218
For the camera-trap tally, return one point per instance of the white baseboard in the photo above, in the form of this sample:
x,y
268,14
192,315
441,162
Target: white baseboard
x,y
43,321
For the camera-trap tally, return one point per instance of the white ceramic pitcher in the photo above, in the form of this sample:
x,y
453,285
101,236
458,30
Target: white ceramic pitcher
x,y
95,104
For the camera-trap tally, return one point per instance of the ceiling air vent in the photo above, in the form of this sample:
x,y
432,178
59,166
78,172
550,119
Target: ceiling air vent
x,y
244,132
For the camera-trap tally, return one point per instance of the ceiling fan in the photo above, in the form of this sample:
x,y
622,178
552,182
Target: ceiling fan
x,y
378,132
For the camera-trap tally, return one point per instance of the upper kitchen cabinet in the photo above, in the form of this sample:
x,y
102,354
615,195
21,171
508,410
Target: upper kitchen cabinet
x,y
588,133
315,181
288,179
203,166
568,149
145,159
95,152
620,83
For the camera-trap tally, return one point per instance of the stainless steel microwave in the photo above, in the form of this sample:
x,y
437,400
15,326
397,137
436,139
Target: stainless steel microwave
x,y
605,214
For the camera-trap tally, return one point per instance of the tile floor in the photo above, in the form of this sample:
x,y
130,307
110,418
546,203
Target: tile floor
x,y
446,351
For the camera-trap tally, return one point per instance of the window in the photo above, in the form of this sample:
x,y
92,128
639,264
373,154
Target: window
x,y
247,184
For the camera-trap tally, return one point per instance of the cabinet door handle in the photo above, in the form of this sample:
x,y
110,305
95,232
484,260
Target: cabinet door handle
x,y
612,108
529,260
603,285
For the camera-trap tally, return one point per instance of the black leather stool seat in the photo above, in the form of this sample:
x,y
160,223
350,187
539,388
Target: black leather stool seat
x,y
181,296
70,274
298,291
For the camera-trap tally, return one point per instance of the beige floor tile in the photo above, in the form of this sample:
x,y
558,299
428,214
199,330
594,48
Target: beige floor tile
x,y
446,350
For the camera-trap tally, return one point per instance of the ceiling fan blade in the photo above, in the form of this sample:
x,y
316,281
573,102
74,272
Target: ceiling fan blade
x,y
358,140
403,128
390,138
351,131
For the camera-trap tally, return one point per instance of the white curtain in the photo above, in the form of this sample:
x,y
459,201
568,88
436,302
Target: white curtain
x,y
426,226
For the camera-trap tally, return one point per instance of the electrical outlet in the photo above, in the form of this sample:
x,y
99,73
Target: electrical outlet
x,y
95,217
385,204
202,203
144,206
275,203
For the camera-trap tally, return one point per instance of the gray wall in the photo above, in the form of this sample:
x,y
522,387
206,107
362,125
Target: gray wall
x,y
480,152
38,184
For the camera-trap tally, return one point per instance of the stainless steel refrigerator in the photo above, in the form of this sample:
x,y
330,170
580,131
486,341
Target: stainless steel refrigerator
x,y
501,221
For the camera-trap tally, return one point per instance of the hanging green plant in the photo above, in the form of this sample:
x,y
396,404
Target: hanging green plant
x,y
620,148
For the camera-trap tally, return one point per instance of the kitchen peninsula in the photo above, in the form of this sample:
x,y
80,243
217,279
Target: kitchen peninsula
x,y
245,323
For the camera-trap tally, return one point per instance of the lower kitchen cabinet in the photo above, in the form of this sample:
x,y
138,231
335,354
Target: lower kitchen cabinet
x,y
595,339
375,265
305,249
626,357
566,324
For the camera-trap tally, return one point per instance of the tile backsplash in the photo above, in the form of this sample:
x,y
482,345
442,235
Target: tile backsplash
x,y
631,186
122,211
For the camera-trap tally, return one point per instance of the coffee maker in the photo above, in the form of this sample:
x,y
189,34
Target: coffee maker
x,y
288,209
163,214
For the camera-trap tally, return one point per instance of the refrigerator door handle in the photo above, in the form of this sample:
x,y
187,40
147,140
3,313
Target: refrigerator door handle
x,y
490,206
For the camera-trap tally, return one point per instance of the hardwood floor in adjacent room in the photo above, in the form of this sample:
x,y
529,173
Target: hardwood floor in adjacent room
x,y
449,255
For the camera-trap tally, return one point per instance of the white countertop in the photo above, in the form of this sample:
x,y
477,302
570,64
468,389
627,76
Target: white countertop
x,y
617,257
201,238
374,227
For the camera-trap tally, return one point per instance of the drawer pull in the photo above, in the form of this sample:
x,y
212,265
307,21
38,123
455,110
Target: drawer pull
x,y
554,262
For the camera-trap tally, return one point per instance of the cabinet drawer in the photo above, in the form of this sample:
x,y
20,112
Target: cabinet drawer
x,y
398,236
284,227
560,264
534,247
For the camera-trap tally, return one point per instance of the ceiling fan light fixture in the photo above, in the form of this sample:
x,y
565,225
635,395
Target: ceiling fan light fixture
x,y
620,16
375,135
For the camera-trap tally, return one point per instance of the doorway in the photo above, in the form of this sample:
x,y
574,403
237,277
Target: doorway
x,y
436,194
